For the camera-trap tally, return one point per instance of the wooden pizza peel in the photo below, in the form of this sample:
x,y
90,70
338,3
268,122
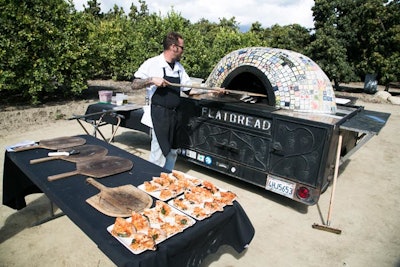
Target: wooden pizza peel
x,y
55,143
84,152
217,89
97,167
118,201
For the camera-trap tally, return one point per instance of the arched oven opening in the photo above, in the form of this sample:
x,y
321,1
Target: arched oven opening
x,y
250,79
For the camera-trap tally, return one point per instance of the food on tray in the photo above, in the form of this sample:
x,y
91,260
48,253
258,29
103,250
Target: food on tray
x,y
213,206
193,197
142,241
181,204
171,191
169,185
184,177
183,184
140,222
177,187
203,200
200,213
203,192
122,228
170,229
163,208
210,186
151,186
158,235
166,194
162,181
164,175
178,174
198,194
181,220
153,216
143,231
227,197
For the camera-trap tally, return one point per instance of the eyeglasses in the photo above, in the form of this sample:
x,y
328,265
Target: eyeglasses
x,y
180,47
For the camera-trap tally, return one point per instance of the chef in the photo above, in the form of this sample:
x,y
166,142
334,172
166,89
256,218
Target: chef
x,y
156,74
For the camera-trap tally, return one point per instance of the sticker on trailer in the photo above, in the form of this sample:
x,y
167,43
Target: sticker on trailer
x,y
208,160
191,154
200,157
280,186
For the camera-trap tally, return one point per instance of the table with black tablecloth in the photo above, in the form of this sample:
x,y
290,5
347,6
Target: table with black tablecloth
x,y
130,115
231,227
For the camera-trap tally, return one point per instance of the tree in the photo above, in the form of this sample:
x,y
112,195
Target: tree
x,y
110,45
327,47
93,8
331,56
390,70
376,39
229,23
256,27
42,49
137,14
365,31
293,37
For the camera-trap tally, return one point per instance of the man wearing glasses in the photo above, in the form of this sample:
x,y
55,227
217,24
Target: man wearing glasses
x,y
156,74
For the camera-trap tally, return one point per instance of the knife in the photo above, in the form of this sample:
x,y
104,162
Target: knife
x,y
63,153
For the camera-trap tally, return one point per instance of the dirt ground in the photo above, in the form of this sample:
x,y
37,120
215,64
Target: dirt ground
x,y
366,207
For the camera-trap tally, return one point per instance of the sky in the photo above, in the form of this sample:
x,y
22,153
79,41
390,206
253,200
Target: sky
x,y
267,12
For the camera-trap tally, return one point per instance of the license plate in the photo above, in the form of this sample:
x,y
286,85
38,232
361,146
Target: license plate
x,y
281,187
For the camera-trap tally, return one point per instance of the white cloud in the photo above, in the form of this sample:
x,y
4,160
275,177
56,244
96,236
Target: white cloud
x,y
267,12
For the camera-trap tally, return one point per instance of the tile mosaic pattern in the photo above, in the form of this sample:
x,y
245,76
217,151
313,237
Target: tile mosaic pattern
x,y
298,82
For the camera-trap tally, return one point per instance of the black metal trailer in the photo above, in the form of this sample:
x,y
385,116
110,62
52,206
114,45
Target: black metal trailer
x,y
285,142
283,151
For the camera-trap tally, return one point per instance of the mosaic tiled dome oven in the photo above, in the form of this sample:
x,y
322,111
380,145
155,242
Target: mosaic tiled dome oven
x,y
284,142
289,79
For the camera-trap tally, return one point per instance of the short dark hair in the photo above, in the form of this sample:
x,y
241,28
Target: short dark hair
x,y
170,39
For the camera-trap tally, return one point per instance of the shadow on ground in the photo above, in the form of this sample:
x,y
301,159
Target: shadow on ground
x,y
36,212
185,166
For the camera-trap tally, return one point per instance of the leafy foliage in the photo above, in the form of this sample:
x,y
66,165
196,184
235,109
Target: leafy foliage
x,y
293,37
49,50
357,37
42,47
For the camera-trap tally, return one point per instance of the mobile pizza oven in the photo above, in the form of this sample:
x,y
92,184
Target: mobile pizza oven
x,y
284,142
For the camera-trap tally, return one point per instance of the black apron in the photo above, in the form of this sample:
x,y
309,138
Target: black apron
x,y
164,104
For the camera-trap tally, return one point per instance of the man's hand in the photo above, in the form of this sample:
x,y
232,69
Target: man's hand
x,y
159,82
219,91
138,83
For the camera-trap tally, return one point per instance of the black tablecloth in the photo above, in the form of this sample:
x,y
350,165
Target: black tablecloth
x,y
231,227
130,118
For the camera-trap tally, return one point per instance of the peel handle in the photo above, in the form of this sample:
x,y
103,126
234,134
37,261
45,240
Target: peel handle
x,y
62,175
34,161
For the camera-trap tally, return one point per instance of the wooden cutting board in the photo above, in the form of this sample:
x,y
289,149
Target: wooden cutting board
x,y
97,167
119,201
56,143
86,152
